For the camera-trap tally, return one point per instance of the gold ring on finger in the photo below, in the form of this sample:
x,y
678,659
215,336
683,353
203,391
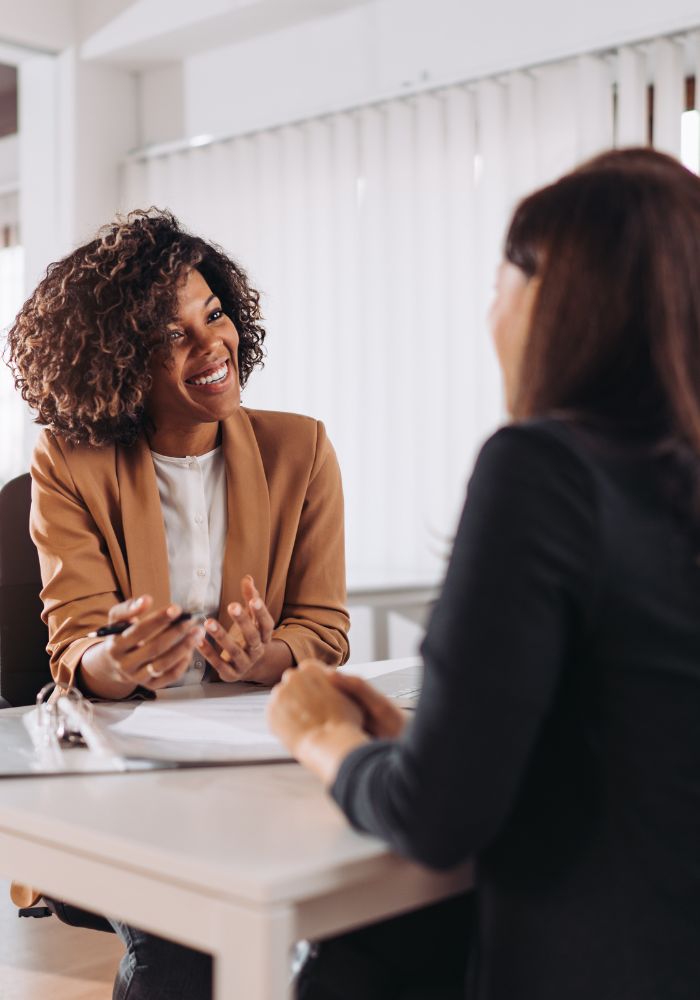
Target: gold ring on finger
x,y
225,656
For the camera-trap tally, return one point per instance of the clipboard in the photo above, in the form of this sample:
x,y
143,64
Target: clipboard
x,y
50,739
66,734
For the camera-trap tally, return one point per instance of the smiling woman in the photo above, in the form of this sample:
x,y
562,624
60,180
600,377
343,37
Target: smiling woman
x,y
155,492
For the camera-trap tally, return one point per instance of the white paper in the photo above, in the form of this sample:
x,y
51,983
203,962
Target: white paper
x,y
233,721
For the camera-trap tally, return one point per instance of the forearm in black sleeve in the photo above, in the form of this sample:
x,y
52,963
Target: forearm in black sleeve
x,y
517,594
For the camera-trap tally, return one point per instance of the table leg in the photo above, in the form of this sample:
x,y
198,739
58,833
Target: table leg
x,y
380,633
253,961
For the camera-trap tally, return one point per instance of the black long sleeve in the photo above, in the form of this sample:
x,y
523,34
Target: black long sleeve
x,y
512,598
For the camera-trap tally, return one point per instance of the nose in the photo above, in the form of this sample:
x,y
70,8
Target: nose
x,y
205,337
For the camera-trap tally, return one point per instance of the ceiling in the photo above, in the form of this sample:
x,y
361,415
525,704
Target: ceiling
x,y
139,33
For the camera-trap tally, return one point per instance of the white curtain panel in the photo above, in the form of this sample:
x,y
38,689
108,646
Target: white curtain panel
x,y
374,236
668,56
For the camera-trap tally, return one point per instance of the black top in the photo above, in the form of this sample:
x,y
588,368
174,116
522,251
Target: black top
x,y
557,737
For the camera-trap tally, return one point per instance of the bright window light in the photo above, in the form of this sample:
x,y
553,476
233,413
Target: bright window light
x,y
690,140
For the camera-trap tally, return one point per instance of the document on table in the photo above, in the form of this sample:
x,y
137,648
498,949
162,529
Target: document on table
x,y
201,724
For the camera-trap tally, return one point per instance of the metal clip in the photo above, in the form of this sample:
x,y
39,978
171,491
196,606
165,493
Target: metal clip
x,y
57,724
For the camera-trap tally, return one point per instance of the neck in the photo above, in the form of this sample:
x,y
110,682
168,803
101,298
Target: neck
x,y
180,442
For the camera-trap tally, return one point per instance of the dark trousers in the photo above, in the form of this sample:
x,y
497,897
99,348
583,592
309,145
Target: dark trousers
x,y
155,969
421,955
418,956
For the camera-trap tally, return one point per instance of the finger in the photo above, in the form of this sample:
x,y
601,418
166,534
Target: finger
x,y
311,674
231,664
159,666
362,690
249,630
163,648
248,589
263,618
145,629
313,668
168,677
381,713
232,637
128,610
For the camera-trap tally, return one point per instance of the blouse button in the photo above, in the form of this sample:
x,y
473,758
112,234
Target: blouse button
x,y
201,571
198,519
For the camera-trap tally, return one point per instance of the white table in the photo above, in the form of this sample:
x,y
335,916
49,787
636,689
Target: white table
x,y
238,861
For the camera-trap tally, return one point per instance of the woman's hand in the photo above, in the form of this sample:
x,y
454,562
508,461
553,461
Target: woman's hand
x,y
317,722
247,650
152,652
381,716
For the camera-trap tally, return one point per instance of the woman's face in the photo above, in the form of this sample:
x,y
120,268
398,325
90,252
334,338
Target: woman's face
x,y
510,317
199,383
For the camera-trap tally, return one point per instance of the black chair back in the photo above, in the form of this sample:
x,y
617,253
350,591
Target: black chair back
x,y
24,662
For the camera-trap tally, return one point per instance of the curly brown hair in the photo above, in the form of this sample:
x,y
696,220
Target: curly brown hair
x,y
81,346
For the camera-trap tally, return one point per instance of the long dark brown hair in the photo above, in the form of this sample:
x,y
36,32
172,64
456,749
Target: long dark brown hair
x,y
615,334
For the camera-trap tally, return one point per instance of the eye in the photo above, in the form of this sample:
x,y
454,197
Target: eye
x,y
214,315
175,335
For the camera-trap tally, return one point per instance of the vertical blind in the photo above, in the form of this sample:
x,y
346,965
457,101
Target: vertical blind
x,y
374,236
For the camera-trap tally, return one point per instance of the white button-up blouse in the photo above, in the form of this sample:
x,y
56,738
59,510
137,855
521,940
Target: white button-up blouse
x,y
193,499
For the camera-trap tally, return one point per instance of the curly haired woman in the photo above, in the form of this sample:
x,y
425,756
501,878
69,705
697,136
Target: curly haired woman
x,y
155,492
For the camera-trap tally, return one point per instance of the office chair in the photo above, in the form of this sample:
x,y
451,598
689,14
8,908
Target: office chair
x,y
24,662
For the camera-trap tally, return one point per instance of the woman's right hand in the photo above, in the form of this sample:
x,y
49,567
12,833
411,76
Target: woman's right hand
x,y
381,716
151,653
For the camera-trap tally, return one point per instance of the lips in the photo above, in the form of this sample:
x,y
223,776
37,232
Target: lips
x,y
211,375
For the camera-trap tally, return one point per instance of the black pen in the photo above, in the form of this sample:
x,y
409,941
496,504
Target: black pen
x,y
120,627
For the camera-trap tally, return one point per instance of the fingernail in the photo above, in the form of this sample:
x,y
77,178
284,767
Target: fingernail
x,y
257,603
173,611
136,603
235,609
199,636
211,626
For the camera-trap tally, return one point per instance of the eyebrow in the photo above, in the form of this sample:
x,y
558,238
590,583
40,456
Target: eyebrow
x,y
212,296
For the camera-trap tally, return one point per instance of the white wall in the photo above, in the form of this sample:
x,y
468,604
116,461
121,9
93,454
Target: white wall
x,y
98,125
391,47
38,165
161,105
39,24
78,121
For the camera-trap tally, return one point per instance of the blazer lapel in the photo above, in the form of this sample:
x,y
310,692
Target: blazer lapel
x,y
248,508
142,518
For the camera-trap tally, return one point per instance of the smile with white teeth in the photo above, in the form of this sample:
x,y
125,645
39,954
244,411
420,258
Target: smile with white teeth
x,y
216,376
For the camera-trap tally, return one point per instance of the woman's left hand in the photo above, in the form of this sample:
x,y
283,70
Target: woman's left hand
x,y
236,653
314,719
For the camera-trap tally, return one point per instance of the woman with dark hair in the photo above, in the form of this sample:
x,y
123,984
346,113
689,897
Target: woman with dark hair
x,y
556,740
156,493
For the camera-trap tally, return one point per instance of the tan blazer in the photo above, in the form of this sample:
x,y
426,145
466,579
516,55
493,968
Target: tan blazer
x,y
96,521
